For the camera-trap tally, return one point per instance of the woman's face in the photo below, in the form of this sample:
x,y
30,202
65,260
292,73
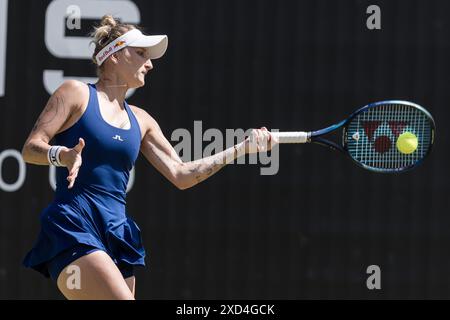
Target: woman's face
x,y
132,65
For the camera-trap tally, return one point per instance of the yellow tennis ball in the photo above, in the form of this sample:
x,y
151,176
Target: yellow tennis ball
x,y
407,142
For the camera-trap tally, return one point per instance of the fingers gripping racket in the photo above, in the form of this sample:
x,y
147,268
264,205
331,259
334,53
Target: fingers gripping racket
x,y
386,136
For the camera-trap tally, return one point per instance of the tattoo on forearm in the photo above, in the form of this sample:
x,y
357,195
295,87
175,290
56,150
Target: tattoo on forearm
x,y
37,149
205,170
54,106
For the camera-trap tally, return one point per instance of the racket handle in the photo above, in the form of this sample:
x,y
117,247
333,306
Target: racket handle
x,y
291,137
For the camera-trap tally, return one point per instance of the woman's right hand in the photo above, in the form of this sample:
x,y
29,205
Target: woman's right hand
x,y
260,140
71,158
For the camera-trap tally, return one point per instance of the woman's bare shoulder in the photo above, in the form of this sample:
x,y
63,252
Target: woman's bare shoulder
x,y
74,92
144,118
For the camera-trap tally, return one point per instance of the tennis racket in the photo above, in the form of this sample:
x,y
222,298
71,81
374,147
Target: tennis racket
x,y
370,134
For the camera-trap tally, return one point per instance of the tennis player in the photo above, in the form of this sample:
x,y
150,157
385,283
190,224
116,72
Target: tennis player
x,y
97,136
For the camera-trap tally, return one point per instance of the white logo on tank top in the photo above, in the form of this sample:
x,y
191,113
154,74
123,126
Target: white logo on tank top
x,y
117,137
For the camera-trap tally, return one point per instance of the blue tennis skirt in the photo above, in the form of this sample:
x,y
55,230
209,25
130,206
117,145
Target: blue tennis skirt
x,y
82,224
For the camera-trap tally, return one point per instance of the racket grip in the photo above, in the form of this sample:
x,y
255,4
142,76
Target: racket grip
x,y
291,137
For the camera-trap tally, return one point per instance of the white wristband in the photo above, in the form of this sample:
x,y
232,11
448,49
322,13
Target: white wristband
x,y
53,156
58,151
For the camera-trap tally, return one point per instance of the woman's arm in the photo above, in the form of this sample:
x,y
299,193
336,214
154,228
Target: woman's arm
x,y
68,98
58,109
160,153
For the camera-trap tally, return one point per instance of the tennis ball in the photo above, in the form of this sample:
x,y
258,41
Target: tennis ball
x,y
407,142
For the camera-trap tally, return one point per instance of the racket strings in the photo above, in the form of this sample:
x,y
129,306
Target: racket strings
x,y
373,133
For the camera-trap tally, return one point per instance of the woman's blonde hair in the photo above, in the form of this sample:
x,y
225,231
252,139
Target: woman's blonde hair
x,y
110,28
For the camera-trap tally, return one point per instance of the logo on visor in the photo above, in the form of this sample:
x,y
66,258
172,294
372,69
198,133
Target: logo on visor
x,y
119,44
105,54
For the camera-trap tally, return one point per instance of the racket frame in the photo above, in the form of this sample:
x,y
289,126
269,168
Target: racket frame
x,y
317,136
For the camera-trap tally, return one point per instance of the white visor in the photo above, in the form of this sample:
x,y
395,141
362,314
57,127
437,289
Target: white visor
x,y
156,45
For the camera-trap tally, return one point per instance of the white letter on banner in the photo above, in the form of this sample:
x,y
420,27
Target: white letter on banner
x,y
3,37
22,170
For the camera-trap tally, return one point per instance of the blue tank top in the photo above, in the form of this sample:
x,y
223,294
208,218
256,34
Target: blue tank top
x,y
109,153
93,212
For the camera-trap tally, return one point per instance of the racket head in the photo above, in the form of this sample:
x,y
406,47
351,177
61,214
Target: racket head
x,y
370,135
